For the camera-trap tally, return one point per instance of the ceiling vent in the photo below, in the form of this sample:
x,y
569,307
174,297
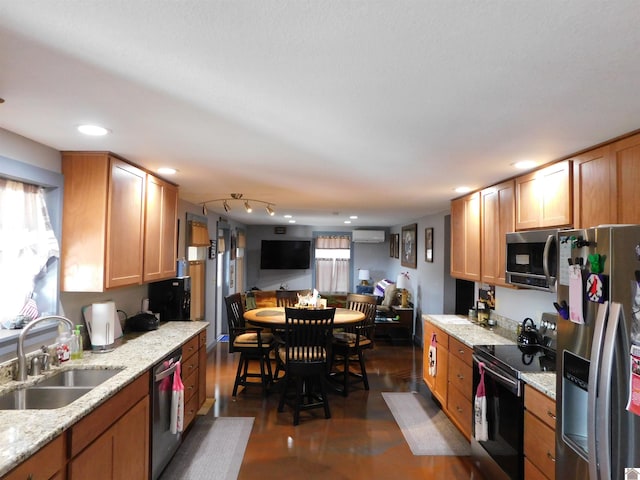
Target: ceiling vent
x,y
367,236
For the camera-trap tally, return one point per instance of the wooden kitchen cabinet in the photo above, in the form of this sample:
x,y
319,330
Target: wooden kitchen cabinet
x,y
465,237
202,368
48,463
544,197
498,219
460,386
160,239
194,365
103,224
539,435
438,383
112,442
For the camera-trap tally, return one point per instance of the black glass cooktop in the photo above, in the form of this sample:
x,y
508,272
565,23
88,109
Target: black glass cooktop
x,y
519,358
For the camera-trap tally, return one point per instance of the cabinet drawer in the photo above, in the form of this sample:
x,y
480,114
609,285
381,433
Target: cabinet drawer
x,y
460,410
190,385
190,348
460,376
202,339
540,444
540,405
190,410
460,350
189,365
43,464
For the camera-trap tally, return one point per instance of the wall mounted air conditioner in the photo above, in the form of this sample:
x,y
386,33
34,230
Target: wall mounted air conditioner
x,y
367,236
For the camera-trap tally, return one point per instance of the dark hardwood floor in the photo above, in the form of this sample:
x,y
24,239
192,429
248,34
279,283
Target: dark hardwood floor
x,y
361,440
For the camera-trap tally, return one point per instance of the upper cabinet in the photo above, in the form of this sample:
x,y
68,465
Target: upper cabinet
x,y
465,237
606,184
498,219
107,241
543,197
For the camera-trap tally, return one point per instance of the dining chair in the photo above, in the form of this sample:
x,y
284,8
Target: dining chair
x,y
252,343
350,342
305,355
286,298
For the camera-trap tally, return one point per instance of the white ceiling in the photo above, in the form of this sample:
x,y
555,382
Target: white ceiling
x,y
326,108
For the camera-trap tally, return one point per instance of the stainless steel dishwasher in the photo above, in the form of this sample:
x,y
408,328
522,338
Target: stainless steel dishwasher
x,y
163,443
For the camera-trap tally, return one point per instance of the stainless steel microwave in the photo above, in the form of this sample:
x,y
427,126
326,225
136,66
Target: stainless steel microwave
x,y
532,259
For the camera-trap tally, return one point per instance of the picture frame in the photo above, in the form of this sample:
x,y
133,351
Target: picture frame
x,y
428,244
396,245
408,242
392,245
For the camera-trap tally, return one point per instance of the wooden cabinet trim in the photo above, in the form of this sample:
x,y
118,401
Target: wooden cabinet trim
x,y
44,464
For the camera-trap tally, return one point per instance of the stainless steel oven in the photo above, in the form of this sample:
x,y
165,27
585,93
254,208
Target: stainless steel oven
x,y
164,443
501,455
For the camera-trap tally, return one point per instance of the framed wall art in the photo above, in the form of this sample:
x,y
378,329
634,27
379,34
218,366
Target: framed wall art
x,y
392,245
428,244
396,245
409,244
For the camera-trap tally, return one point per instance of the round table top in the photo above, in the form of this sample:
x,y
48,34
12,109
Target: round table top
x,y
273,317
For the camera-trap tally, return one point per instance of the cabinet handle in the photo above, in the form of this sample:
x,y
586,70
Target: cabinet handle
x,y
461,352
458,409
461,377
551,457
551,414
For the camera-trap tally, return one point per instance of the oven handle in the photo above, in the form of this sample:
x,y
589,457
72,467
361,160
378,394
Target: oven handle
x,y
169,371
545,261
515,384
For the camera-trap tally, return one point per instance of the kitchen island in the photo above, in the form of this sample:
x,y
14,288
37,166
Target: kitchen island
x,y
25,432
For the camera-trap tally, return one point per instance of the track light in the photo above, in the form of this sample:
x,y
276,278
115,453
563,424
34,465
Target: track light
x,y
240,197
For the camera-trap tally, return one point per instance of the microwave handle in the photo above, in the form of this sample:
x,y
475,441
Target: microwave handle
x,y
545,259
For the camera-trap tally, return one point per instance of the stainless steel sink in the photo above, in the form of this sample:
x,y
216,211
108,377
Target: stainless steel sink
x,y
79,378
56,391
40,398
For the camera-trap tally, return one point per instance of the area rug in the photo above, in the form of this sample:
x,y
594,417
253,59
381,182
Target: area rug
x,y
426,428
214,448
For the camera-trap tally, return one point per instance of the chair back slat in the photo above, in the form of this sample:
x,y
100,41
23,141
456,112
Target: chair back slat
x,y
308,334
365,304
286,298
235,316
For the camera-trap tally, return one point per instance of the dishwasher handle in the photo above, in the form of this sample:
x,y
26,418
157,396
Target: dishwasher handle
x,y
168,371
512,384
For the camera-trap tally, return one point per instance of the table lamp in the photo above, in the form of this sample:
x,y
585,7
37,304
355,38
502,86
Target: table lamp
x,y
403,284
364,276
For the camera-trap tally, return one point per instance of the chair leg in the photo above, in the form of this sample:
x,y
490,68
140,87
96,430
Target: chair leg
x,y
325,400
345,386
363,370
298,401
238,381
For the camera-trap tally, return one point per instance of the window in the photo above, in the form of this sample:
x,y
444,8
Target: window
x,y
332,263
29,253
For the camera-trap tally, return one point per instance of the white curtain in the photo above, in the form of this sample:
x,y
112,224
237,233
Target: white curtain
x,y
332,272
28,246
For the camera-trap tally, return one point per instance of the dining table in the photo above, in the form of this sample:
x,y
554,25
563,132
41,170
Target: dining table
x,y
274,317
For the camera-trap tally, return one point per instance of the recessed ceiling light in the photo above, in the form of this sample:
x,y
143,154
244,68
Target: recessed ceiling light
x,y
347,221
167,170
93,130
463,189
525,164
292,221
353,217
287,216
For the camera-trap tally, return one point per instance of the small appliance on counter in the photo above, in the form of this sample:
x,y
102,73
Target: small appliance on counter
x,y
171,298
142,322
103,325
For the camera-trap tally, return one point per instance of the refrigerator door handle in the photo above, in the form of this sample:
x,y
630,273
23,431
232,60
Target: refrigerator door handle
x,y
545,260
603,403
592,392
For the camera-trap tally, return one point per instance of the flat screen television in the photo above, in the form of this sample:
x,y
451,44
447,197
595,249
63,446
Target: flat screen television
x,y
285,254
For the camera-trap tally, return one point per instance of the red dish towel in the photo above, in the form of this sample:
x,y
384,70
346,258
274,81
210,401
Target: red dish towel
x,y
177,402
481,432
432,355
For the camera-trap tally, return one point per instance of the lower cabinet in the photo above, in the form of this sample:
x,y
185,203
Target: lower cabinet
x,y
539,435
437,383
112,442
48,463
194,366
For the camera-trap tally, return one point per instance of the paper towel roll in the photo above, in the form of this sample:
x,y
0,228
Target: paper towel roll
x,y
102,323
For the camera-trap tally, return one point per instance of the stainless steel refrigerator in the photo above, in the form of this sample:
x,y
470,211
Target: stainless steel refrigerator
x,y
599,305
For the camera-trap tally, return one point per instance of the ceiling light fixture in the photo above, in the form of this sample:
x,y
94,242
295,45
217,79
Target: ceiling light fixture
x,y
525,164
240,197
93,130
463,189
167,171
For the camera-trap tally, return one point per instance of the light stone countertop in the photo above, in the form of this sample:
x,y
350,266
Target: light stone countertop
x,y
472,334
24,432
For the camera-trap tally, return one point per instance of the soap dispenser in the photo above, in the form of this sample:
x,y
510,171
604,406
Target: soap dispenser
x,y
77,346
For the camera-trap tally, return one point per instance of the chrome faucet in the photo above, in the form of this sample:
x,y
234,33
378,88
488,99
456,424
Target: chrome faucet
x,y
21,373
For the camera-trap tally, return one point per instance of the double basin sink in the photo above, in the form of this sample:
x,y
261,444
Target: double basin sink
x,y
56,391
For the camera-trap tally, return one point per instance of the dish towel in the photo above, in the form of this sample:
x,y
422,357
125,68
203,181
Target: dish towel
x,y
177,402
481,431
432,355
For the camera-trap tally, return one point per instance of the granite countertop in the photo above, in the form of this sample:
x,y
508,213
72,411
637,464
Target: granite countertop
x,y
472,334
24,432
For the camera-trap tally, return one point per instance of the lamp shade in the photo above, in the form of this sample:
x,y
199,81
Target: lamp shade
x,y
363,275
403,282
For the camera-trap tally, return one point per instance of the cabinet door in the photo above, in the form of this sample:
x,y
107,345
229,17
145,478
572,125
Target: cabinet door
x,y
160,230
543,197
125,224
594,186
96,461
498,204
202,368
48,461
626,154
131,443
465,237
